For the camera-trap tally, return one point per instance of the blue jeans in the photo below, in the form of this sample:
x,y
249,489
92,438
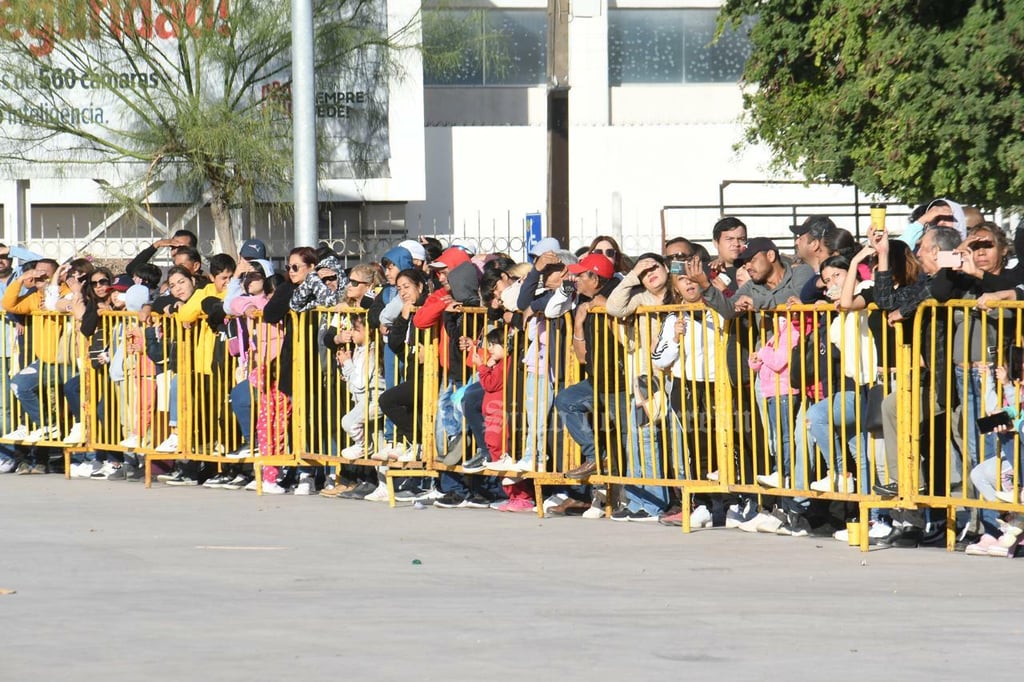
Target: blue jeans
x,y
978,402
29,382
538,394
448,421
574,404
780,426
646,462
241,404
844,413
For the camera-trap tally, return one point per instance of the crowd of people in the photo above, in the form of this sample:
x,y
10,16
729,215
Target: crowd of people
x,y
567,367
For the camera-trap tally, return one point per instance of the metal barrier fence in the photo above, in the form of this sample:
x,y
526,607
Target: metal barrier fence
x,y
798,403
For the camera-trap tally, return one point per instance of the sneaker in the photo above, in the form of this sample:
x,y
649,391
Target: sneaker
x,y
352,452
750,526
103,472
517,505
182,480
273,488
170,444
449,501
503,463
773,480
700,517
305,485
250,486
408,495
475,465
163,478
118,474
42,433
737,515
38,469
359,492
795,526
217,481
525,466
844,484
6,465
772,522
842,535
879,530
675,520
643,516
621,515
130,443
554,500
76,435
19,434
713,476
336,489
593,513
240,453
23,469
413,453
476,501
238,482
887,490
380,494
86,469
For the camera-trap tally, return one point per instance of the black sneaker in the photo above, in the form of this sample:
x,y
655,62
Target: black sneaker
x,y
887,490
477,501
217,481
796,526
622,515
408,495
475,465
181,479
117,474
237,483
643,517
359,492
450,501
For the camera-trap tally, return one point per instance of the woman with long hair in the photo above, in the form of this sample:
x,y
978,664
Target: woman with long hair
x,y
609,248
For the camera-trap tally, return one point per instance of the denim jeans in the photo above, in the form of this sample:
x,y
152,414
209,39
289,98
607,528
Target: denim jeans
x,y
646,462
29,382
6,407
780,426
473,409
843,405
978,402
538,395
448,421
241,404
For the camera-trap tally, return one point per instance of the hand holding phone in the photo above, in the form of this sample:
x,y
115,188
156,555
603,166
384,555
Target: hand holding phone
x,y
950,259
999,421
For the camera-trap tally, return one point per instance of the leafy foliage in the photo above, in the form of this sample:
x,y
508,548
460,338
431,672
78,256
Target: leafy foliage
x,y
910,98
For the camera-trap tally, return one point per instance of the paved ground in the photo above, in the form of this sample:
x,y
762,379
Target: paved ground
x,y
115,582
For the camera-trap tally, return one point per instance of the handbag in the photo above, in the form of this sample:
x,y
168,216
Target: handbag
x,y
873,409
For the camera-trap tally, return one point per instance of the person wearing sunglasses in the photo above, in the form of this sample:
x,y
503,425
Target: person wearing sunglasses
x,y
609,248
361,288
310,291
330,270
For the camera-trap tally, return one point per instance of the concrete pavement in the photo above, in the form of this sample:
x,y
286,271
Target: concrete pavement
x,y
116,582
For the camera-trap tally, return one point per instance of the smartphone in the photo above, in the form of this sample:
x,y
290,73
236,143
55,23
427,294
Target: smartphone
x,y
993,421
950,259
677,267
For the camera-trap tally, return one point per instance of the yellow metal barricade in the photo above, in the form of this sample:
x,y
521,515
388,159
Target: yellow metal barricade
x,y
967,364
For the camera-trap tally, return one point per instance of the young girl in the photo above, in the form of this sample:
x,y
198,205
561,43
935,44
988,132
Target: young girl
x,y
358,361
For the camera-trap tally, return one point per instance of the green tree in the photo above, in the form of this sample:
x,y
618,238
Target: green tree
x,y
910,98
195,92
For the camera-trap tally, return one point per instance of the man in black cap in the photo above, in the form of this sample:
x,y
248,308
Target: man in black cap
x,y
772,280
809,244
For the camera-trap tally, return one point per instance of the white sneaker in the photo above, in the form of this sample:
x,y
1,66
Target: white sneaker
x,y
773,481
503,463
240,453
170,444
844,484
594,512
251,485
104,471
750,526
378,495
130,443
879,529
304,486
770,524
272,488
85,469
713,476
20,433
700,517
352,452
842,535
7,465
76,435
411,454
527,465
555,500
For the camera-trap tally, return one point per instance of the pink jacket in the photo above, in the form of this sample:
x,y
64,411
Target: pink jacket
x,y
772,361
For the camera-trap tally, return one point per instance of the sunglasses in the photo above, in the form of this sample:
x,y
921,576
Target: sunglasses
x,y
329,278
100,282
6,256
610,253
679,256
357,283
294,268
983,244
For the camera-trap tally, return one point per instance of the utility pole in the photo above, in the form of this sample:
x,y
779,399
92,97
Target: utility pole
x,y
304,189
558,121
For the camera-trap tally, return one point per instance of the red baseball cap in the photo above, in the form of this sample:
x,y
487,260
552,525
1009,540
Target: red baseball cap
x,y
596,263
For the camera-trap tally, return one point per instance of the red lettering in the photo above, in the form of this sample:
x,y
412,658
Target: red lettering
x,y
139,18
